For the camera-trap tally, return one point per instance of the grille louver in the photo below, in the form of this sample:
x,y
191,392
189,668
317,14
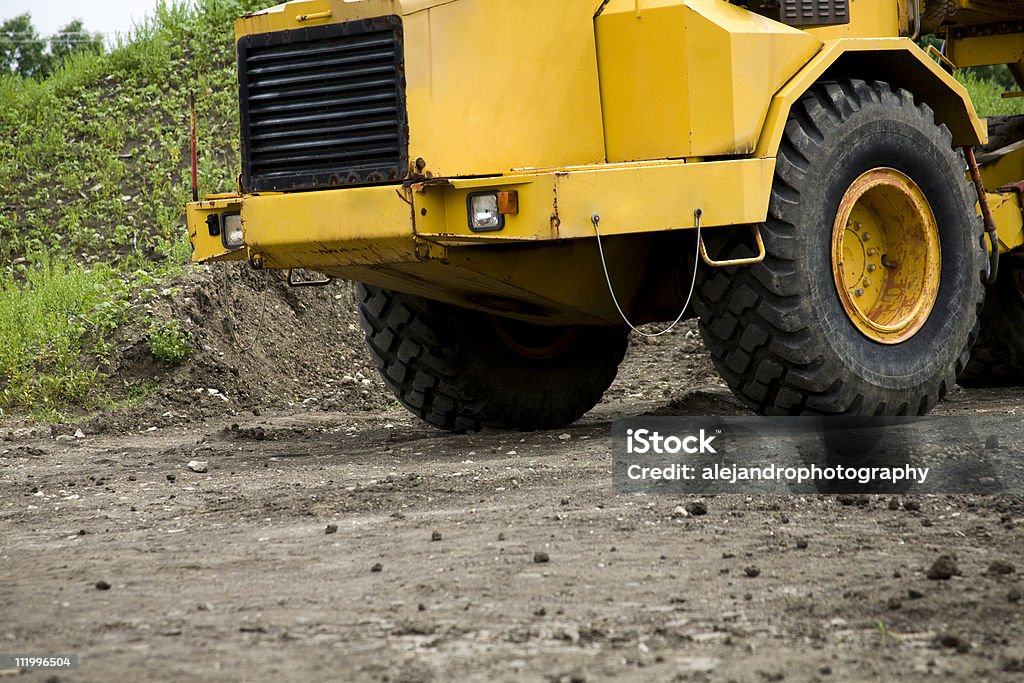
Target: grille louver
x,y
323,107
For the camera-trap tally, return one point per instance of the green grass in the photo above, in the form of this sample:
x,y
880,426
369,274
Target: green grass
x,y
60,313
168,343
94,166
97,154
988,97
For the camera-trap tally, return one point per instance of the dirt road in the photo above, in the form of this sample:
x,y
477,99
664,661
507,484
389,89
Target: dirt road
x,y
324,546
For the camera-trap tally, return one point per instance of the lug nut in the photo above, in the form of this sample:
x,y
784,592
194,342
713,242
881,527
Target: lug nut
x,y
866,237
872,251
872,267
859,292
867,282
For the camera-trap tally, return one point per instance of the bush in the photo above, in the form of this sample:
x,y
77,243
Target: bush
x,y
167,342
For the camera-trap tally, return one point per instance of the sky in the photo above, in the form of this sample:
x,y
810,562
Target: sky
x,y
100,16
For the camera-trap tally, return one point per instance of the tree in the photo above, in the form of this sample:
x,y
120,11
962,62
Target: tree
x,y
23,51
74,38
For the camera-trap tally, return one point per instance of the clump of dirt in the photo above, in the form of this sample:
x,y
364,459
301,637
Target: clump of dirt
x,y
256,344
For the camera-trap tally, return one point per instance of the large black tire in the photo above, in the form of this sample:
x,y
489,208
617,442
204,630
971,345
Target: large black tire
x,y
1003,131
460,370
998,356
777,331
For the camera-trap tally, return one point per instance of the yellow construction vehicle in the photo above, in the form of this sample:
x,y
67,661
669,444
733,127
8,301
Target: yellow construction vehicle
x,y
518,184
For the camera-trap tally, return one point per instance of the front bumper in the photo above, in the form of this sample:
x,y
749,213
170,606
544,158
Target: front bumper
x,y
544,263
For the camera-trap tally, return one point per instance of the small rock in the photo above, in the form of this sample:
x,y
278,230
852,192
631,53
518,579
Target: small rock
x,y
784,519
992,442
541,558
102,586
1001,568
894,603
565,502
1014,595
914,594
952,642
679,512
801,543
911,506
64,438
331,529
377,568
501,536
752,571
540,612
943,568
565,437
1011,664
171,477
697,509
199,466
894,503
436,536
79,434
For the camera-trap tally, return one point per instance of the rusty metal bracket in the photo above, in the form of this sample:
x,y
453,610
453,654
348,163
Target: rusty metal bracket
x,y
986,214
942,59
761,253
323,282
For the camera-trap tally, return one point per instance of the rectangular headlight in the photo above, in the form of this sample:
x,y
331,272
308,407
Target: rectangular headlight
x,y
484,215
231,230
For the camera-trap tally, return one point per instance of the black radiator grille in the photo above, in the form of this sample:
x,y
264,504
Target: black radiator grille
x,y
323,106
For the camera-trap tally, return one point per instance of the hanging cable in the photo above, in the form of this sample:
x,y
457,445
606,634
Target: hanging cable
x,y
596,220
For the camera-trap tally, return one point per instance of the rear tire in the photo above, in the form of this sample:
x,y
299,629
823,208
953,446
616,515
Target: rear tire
x,y
781,333
460,370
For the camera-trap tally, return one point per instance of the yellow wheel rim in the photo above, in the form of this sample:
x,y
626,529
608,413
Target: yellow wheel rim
x,y
886,258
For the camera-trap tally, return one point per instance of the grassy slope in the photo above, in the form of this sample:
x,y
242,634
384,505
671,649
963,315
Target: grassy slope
x,y
94,168
97,154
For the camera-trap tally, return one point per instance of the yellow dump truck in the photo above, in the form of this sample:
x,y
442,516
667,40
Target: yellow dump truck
x,y
517,184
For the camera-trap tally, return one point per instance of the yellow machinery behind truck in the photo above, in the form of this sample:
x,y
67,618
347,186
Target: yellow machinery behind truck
x,y
517,183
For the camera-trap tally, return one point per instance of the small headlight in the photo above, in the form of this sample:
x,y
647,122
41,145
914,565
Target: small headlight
x,y
231,230
484,215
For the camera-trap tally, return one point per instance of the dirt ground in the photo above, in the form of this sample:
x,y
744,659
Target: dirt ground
x,y
335,538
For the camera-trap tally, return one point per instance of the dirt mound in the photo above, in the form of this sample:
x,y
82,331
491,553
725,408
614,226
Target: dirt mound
x,y
256,344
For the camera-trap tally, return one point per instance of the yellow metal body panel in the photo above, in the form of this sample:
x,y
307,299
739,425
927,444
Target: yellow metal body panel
x,y
526,93
207,247
629,198
896,60
364,225
418,238
986,50
1009,220
690,78
1005,169
869,19
490,86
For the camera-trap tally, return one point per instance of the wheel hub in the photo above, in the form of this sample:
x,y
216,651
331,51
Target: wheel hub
x,y
535,342
886,257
